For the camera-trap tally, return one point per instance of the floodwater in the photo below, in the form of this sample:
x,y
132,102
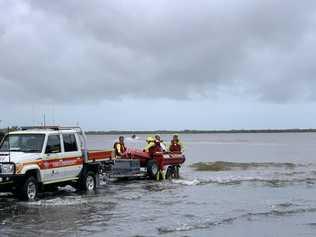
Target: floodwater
x,y
265,186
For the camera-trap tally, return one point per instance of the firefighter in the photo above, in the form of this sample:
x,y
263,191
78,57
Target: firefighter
x,y
152,146
119,147
176,146
161,142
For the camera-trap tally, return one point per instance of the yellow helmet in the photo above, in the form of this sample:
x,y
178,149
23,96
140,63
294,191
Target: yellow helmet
x,y
150,139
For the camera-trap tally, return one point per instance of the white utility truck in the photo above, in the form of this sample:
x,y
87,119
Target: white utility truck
x,y
35,158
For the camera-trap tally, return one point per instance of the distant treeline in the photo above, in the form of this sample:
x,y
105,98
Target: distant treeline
x,y
116,132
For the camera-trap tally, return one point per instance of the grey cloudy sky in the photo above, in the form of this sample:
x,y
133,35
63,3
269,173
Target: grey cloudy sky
x,y
159,64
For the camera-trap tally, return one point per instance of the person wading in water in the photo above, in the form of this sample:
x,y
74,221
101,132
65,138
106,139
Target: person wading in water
x,y
176,146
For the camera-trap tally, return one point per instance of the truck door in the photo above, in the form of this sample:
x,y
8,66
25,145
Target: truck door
x,y
72,156
53,159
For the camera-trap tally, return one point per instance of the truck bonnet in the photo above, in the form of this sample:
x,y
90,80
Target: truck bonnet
x,y
18,157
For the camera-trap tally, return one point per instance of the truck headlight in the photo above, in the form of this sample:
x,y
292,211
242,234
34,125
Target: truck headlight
x,y
7,168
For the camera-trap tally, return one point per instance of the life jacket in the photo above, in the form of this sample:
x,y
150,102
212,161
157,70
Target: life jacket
x,y
155,148
123,148
175,147
161,144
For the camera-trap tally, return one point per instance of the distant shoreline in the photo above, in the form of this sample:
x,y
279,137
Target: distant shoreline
x,y
233,131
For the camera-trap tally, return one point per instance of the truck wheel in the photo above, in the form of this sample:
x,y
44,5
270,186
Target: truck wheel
x,y
88,182
152,169
28,190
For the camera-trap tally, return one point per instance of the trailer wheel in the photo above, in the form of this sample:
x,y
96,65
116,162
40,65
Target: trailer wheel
x,y
88,181
152,169
28,190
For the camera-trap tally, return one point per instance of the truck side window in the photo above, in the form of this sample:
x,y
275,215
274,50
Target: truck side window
x,y
53,144
70,143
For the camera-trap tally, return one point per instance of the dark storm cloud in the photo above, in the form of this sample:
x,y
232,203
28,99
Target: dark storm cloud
x,y
94,50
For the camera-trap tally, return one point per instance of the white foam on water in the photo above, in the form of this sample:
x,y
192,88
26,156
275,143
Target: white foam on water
x,y
67,188
130,197
230,177
186,182
67,201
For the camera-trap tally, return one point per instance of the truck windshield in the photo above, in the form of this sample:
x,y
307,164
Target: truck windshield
x,y
23,143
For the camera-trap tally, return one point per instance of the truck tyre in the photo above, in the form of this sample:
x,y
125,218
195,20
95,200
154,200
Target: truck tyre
x,y
88,181
152,169
28,190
